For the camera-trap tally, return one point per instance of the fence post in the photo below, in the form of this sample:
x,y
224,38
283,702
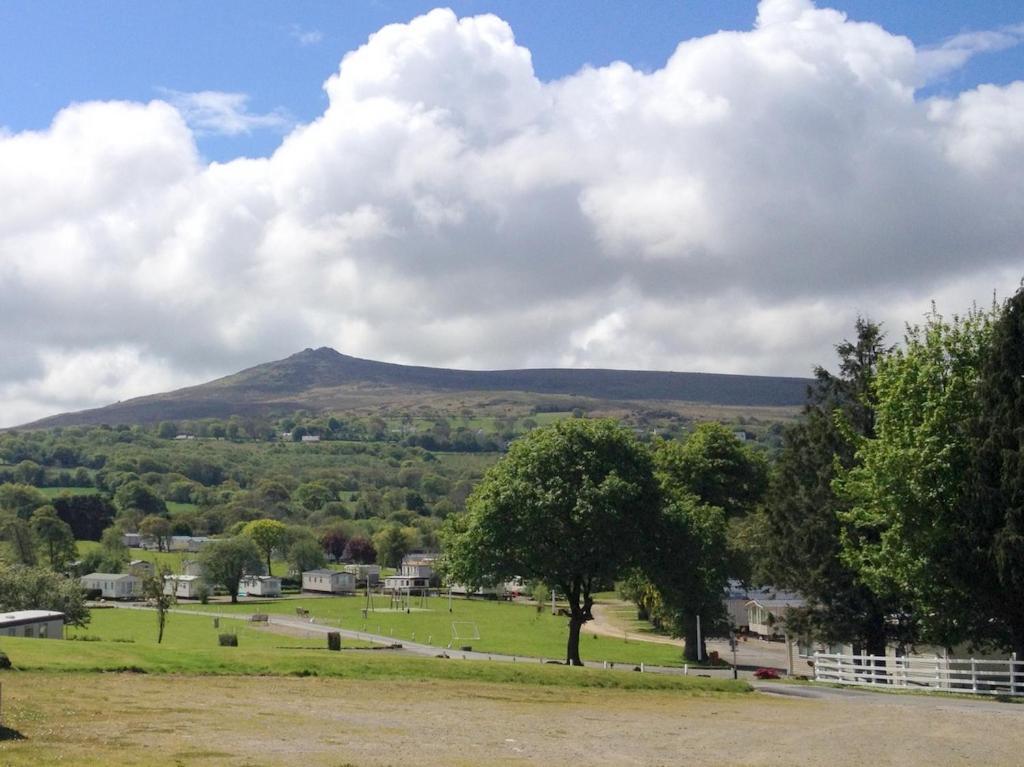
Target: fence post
x,y
1013,673
974,676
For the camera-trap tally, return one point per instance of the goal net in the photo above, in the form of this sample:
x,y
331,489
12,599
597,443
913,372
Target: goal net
x,y
463,630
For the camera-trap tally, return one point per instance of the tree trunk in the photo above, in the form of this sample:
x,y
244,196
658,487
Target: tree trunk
x,y
690,639
580,604
572,649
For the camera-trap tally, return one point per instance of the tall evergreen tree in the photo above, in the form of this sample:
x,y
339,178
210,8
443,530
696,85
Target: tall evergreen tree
x,y
802,532
994,515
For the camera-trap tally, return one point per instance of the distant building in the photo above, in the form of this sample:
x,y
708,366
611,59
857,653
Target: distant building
x,y
311,438
132,540
260,586
43,624
187,543
329,581
496,591
182,586
406,584
766,617
419,565
364,573
191,567
113,585
141,568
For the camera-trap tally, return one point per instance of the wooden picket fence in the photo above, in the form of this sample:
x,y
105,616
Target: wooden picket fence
x,y
962,675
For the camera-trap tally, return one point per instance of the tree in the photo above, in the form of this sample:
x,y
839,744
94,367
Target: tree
x,y
157,528
167,430
569,505
154,589
393,543
224,562
994,508
37,588
334,540
55,536
20,499
360,550
88,515
313,495
267,534
135,496
22,541
801,525
115,552
305,553
905,531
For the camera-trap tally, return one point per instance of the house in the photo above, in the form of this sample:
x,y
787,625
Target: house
x,y
44,624
406,584
260,586
141,568
419,565
737,595
364,574
766,616
329,581
132,540
182,586
113,585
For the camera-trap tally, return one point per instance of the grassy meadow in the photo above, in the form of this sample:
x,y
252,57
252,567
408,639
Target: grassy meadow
x,y
505,628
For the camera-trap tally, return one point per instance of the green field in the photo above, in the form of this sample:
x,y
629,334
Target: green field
x,y
53,492
505,628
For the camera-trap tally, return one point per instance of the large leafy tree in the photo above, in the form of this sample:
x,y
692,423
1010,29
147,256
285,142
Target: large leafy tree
x,y
55,537
267,534
570,505
905,532
709,480
801,527
225,562
994,511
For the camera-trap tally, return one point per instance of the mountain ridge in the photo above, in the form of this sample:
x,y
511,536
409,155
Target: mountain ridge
x,y
322,378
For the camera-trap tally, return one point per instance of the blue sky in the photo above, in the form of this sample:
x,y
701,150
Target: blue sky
x,y
192,188
278,54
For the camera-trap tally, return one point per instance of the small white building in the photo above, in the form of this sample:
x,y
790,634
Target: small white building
x,y
113,585
418,565
260,586
44,624
182,586
132,540
329,581
496,591
767,617
364,573
406,584
311,438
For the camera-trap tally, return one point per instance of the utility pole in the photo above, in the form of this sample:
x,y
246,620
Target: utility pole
x,y
700,653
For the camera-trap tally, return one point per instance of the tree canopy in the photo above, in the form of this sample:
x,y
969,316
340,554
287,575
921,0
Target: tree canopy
x,y
570,505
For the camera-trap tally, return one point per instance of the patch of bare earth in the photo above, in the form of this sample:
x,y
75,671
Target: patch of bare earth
x,y
123,719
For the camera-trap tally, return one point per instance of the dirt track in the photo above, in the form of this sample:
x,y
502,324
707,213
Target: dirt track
x,y
147,720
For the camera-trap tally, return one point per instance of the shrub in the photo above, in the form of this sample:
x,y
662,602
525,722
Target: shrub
x,y
334,641
5,662
203,592
228,640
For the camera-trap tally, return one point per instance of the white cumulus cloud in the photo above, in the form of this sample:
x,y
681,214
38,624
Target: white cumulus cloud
x,y
731,211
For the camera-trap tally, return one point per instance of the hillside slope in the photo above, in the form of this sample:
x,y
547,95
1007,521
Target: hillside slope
x,y
323,379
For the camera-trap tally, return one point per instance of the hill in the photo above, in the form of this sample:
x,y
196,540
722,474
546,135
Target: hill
x,y
323,379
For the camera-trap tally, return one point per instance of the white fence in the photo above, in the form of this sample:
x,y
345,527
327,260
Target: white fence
x,y
964,675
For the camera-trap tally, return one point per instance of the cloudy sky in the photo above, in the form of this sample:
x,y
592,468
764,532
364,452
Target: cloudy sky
x,y
187,192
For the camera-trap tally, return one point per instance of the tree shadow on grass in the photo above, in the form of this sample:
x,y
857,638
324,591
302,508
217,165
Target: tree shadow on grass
x,y
6,733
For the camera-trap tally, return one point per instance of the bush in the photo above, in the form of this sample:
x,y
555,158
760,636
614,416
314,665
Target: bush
x,y
5,662
203,593
228,640
334,641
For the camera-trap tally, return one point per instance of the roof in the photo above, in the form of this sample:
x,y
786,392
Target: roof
x,y
271,577
777,603
111,576
187,578
21,617
325,571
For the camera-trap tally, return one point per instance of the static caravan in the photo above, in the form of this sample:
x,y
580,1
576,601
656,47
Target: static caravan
x,y
260,586
43,624
329,581
364,573
182,586
113,585
406,584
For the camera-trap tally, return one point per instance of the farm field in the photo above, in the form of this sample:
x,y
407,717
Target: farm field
x,y
505,628
139,719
